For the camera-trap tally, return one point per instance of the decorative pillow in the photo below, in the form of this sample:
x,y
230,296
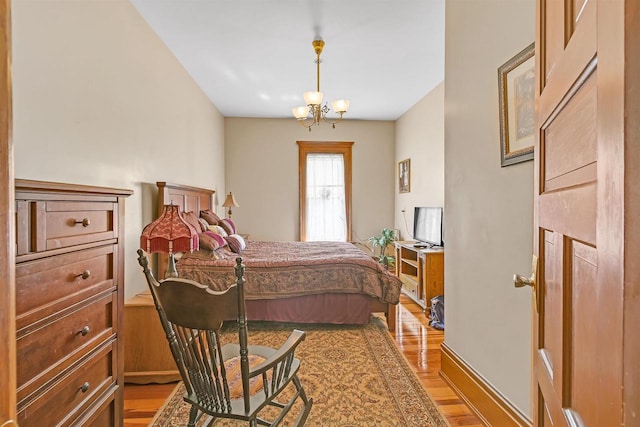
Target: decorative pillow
x,y
218,238
228,226
218,230
236,243
192,220
210,216
210,241
204,224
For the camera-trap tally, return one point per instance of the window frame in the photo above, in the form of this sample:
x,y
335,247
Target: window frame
x,y
315,147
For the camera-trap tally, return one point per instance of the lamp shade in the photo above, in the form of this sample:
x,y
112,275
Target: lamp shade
x,y
300,112
230,202
340,106
313,98
169,234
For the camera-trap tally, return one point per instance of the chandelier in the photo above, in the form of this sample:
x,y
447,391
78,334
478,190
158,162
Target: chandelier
x,y
314,111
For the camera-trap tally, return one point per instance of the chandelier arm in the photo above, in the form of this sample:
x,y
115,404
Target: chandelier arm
x,y
333,122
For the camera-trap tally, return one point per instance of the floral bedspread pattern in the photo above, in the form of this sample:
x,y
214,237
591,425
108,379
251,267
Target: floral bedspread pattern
x,y
288,269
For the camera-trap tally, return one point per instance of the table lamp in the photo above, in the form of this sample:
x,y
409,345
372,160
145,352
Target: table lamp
x,y
170,233
230,202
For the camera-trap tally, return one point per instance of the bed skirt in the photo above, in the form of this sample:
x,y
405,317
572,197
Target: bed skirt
x,y
321,308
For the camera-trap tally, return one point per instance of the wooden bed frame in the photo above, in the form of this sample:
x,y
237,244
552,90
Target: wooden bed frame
x,y
147,355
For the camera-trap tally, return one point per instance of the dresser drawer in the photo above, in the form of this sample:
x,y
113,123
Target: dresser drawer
x,y
103,413
46,351
47,225
74,393
48,285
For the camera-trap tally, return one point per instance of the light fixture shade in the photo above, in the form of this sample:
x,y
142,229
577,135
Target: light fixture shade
x,y
169,234
313,98
340,106
230,202
300,112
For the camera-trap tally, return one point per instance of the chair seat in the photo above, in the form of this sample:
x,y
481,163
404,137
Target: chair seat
x,y
257,355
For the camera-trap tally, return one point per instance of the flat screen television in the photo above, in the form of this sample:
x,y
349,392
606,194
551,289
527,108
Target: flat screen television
x,y
427,226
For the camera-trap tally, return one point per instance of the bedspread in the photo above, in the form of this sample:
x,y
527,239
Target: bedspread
x,y
286,269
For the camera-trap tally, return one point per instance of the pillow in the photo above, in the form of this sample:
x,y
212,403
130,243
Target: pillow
x,y
232,366
228,226
218,230
210,241
236,243
192,220
204,224
210,216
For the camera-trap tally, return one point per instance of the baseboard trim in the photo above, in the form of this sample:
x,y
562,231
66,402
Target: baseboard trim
x,y
484,400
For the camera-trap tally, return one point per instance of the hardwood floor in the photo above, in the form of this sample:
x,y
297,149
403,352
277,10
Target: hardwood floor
x,y
419,343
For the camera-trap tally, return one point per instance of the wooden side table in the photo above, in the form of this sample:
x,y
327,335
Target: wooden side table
x,y
147,357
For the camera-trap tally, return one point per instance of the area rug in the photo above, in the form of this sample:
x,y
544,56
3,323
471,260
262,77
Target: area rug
x,y
355,374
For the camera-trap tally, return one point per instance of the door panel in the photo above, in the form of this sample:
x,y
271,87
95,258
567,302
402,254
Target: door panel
x,y
583,302
570,139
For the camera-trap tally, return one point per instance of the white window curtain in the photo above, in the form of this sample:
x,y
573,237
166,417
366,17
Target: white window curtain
x,y
325,204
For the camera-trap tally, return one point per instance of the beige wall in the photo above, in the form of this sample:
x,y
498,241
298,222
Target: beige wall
x,y
420,137
100,100
262,172
488,221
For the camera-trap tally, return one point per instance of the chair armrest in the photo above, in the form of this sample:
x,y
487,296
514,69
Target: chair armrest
x,y
287,348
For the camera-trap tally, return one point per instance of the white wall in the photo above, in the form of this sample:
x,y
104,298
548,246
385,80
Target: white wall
x,y
262,173
100,100
489,209
420,137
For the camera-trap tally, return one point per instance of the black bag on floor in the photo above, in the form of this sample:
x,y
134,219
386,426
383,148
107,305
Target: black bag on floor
x,y
437,312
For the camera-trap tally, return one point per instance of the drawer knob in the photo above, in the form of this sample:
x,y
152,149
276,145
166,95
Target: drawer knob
x,y
85,274
84,387
85,222
85,331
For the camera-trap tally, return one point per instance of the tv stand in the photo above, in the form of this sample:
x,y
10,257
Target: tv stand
x,y
421,270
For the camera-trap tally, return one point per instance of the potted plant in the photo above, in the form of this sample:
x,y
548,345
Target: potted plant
x,y
383,239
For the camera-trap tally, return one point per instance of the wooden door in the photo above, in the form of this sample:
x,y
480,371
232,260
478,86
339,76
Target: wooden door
x,y
584,369
7,242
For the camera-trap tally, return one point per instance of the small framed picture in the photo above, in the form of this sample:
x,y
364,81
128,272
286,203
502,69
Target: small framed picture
x,y
404,176
516,91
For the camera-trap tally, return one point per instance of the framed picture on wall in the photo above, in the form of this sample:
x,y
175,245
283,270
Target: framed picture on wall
x,y
404,175
516,90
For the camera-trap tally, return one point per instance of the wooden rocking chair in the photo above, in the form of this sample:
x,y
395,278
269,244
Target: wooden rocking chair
x,y
232,381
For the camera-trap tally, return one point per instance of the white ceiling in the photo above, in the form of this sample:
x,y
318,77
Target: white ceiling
x,y
254,58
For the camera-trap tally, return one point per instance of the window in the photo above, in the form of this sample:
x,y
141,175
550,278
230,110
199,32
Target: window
x,y
325,190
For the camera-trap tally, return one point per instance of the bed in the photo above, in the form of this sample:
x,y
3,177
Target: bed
x,y
303,282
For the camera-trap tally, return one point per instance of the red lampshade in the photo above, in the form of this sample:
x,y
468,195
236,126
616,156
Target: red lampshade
x,y
169,234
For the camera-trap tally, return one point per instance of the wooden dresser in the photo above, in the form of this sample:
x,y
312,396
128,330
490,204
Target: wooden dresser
x,y
69,303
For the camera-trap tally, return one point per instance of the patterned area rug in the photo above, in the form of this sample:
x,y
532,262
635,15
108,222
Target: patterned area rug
x,y
355,374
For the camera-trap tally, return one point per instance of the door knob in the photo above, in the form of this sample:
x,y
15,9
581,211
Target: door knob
x,y
520,281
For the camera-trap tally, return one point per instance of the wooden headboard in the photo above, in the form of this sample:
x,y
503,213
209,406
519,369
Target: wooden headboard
x,y
189,199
